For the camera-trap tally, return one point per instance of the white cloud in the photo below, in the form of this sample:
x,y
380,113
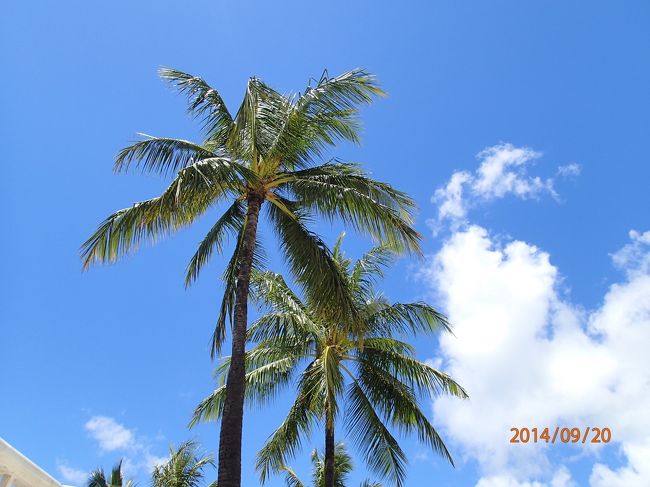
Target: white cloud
x,y
635,474
135,450
502,171
110,434
530,357
142,461
569,170
421,456
451,198
634,257
152,461
561,478
70,474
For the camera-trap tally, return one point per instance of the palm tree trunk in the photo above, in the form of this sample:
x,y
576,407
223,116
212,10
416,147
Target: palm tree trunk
x,y
329,454
230,439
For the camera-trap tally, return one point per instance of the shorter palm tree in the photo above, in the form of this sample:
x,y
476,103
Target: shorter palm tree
x,y
184,467
355,363
342,467
98,478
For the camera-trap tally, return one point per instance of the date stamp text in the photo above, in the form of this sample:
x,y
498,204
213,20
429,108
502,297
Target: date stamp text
x,y
588,434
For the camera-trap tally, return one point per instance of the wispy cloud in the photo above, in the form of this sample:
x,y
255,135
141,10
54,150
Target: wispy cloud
x,y
572,169
110,434
502,171
134,450
72,475
634,257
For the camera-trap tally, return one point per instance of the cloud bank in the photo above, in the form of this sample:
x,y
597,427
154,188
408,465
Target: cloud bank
x,y
529,357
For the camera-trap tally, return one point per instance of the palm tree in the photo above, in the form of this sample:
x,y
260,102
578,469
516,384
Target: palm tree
x,y
376,375
342,467
269,152
183,469
98,479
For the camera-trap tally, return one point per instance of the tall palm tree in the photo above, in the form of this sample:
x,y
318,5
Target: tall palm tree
x,y
267,155
183,469
375,375
98,478
342,467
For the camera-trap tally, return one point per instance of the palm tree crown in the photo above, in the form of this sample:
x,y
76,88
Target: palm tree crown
x,y
183,469
268,155
373,374
342,467
98,478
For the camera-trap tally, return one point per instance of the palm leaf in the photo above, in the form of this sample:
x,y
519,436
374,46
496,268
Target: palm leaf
x,y
290,477
189,195
370,268
230,283
231,222
322,115
407,318
312,263
286,439
204,101
184,468
264,377
97,479
380,449
419,376
161,155
342,191
398,403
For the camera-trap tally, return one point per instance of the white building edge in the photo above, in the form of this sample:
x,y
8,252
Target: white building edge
x,y
16,470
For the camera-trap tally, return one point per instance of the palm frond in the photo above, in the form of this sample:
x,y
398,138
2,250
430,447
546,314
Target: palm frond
x,y
231,222
184,468
260,116
385,344
399,405
343,191
407,318
272,289
264,377
189,195
380,449
322,115
282,328
312,264
288,318
418,376
287,438
344,92
290,477
162,155
116,474
306,136
370,268
342,466
97,478
230,283
204,101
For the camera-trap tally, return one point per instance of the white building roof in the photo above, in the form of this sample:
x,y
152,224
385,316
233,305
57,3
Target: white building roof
x,y
19,471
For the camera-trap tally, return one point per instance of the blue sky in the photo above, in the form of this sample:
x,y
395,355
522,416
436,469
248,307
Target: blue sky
x,y
110,363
